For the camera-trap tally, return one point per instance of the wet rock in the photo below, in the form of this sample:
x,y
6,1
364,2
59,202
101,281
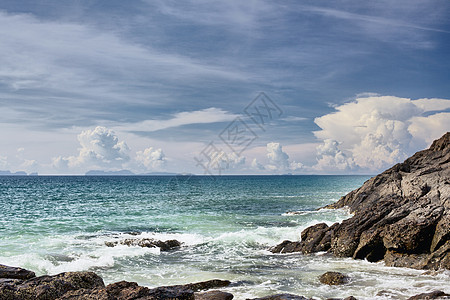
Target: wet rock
x,y
49,287
203,285
401,215
147,242
333,278
286,247
282,297
15,273
314,239
213,295
125,290
347,298
432,295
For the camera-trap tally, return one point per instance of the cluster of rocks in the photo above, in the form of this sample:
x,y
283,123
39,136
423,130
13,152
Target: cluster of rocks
x,y
146,242
401,216
21,284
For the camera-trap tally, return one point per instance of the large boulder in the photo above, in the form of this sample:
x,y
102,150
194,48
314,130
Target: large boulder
x,y
401,215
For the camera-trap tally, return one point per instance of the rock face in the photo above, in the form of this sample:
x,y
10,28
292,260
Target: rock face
x,y
401,215
146,242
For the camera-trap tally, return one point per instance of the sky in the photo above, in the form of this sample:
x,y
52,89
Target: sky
x,y
221,87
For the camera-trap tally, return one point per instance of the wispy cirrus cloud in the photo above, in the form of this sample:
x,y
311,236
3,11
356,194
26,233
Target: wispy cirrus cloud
x,y
204,116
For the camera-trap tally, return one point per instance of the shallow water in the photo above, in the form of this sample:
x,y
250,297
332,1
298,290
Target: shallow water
x,y
226,224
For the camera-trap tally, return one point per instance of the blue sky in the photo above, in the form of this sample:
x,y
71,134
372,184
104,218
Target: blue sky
x,y
148,85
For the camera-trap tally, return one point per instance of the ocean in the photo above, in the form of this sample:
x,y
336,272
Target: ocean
x,y
53,224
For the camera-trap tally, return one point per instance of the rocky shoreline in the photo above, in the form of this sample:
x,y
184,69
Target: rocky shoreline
x,y
21,284
401,216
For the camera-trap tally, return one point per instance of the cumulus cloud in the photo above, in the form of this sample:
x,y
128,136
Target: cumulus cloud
x,y
256,165
330,157
151,159
100,147
215,161
375,132
279,160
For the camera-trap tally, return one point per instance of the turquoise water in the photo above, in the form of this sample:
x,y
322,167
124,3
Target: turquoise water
x,y
226,224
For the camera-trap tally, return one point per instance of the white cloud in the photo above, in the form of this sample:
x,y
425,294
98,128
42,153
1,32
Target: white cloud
x,y
373,133
100,148
151,159
204,116
279,160
257,165
426,129
330,157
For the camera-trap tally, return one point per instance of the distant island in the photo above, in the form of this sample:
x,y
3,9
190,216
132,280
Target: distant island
x,y
19,173
126,173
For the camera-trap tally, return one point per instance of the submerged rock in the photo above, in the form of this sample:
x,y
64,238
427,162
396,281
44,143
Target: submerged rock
x,y
15,273
401,215
147,242
333,278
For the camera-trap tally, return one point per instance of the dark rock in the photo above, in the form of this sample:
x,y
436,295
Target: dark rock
x,y
314,239
125,290
333,278
213,295
347,298
16,273
432,295
147,242
401,215
286,247
282,297
49,287
204,285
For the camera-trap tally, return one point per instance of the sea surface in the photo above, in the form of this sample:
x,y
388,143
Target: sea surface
x,y
53,224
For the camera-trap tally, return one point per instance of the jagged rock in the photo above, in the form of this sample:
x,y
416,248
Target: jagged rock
x,y
15,273
401,215
147,242
432,295
49,287
286,247
347,298
333,278
314,239
282,297
213,295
